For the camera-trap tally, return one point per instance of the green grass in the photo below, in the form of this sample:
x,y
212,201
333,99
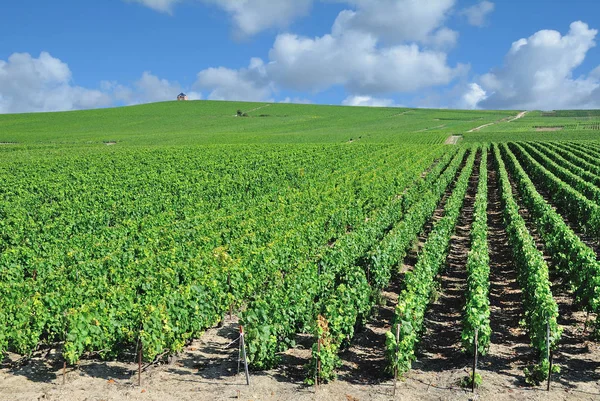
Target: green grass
x,y
208,122
212,123
571,125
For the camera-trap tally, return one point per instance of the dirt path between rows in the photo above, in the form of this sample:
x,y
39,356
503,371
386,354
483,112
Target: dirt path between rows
x,y
440,347
258,108
507,119
509,348
453,140
518,116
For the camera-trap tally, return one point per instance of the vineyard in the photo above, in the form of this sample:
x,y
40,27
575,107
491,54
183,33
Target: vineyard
x,y
360,254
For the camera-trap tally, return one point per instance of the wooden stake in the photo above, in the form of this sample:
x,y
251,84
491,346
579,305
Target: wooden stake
x,y
549,354
64,372
243,346
475,359
230,306
239,355
140,364
396,362
318,360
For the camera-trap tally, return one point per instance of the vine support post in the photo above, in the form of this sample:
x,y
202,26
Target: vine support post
x,y
243,350
64,372
396,361
229,287
140,354
476,349
549,355
318,360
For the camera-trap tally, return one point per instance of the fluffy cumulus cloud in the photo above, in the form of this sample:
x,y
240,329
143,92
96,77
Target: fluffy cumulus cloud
x,y
250,84
354,60
368,101
165,6
472,97
149,88
376,48
249,17
253,16
295,100
30,84
538,73
397,21
477,14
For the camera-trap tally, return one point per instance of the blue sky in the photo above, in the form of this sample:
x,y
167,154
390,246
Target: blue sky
x,y
510,54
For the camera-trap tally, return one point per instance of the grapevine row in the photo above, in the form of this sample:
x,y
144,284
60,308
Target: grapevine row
x,y
574,260
560,157
570,202
420,282
541,310
358,287
574,157
477,307
289,304
577,182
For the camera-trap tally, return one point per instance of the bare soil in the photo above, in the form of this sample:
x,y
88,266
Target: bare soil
x,y
549,129
507,119
453,140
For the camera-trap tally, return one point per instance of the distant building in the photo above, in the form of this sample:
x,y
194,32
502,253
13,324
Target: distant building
x,y
182,96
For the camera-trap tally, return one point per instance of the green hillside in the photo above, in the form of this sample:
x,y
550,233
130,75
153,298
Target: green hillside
x,y
208,122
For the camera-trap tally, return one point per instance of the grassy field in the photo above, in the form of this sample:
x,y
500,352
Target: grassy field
x,y
207,122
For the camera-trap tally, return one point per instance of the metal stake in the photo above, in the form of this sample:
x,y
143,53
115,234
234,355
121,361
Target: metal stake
x,y
318,360
140,364
243,346
396,361
475,359
549,355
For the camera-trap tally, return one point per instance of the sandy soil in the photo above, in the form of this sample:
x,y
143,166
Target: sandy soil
x,y
549,129
509,119
481,127
518,116
453,140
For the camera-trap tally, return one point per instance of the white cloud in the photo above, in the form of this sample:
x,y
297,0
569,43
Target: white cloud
x,y
472,97
354,60
444,39
388,46
477,14
29,84
165,6
368,101
249,16
397,21
295,100
250,84
149,88
253,16
538,73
